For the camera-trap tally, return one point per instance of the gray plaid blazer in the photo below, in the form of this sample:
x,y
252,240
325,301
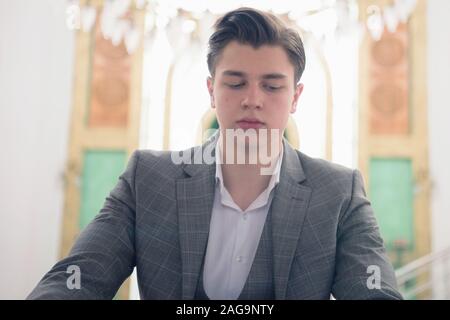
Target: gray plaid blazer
x,y
324,233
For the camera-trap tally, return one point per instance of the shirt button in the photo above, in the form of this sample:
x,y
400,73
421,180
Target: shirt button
x,y
239,259
245,216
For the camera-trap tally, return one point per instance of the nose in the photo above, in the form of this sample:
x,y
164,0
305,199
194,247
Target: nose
x,y
252,98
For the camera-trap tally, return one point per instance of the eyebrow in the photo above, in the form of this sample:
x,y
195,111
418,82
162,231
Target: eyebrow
x,y
243,74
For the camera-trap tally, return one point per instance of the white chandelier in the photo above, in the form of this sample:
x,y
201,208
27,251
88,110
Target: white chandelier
x,y
389,16
317,16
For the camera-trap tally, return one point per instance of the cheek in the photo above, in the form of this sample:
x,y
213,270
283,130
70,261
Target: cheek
x,y
226,104
281,104
280,110
223,110
225,98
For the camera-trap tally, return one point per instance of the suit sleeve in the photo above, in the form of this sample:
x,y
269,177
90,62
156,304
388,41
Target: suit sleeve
x,y
363,269
104,251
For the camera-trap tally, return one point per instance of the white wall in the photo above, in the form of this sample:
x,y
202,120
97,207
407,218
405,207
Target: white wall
x,y
36,54
439,132
439,118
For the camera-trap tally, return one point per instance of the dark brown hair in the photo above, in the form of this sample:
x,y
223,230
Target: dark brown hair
x,y
256,28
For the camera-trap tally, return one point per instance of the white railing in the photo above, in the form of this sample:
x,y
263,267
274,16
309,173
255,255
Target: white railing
x,y
436,282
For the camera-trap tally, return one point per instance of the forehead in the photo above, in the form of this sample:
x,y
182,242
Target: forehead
x,y
263,60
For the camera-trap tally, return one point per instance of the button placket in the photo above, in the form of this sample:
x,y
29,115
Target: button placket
x,y
241,231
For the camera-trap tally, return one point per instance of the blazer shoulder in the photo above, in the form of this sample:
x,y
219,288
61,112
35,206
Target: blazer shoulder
x,y
323,173
159,162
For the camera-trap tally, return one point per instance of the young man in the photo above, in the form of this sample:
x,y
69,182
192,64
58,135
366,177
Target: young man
x,y
225,230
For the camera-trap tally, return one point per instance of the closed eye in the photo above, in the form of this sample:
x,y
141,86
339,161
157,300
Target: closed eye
x,y
272,88
235,85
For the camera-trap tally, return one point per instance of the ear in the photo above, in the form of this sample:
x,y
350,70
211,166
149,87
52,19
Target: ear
x,y
210,85
297,94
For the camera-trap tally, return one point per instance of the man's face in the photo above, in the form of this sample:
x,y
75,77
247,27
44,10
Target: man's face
x,y
253,88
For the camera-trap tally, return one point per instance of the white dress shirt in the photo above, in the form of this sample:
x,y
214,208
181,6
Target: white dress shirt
x,y
234,235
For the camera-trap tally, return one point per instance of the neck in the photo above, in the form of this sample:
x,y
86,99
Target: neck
x,y
248,177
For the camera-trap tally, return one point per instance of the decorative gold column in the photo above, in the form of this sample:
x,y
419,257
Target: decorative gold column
x,y
393,113
105,112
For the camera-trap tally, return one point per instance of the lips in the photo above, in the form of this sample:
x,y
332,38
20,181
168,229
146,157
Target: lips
x,y
250,123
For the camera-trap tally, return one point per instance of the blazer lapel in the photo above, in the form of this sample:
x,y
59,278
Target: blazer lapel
x,y
289,208
195,196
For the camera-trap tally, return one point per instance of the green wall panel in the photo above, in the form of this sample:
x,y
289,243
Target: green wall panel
x,y
391,193
101,170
